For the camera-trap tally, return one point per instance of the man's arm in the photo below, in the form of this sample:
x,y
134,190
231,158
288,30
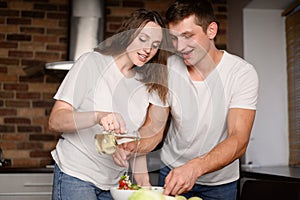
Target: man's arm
x,y
140,170
151,133
183,178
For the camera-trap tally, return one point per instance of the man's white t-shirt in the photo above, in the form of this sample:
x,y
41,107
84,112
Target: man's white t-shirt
x,y
95,83
199,112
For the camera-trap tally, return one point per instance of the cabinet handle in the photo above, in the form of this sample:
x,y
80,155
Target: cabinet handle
x,y
37,184
26,194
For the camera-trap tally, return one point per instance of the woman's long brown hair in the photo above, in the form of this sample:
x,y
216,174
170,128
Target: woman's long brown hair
x,y
154,73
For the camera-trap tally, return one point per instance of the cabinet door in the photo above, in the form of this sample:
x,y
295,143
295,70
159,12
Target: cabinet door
x,y
26,197
26,186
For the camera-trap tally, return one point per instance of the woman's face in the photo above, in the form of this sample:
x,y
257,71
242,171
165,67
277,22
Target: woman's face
x,y
145,45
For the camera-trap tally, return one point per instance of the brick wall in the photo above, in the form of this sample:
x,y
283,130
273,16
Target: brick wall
x,y
32,33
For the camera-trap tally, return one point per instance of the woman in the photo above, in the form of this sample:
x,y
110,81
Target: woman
x,y
108,89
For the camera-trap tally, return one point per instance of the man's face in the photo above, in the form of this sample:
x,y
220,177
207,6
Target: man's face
x,y
189,39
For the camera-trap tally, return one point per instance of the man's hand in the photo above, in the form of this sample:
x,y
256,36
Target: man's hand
x,y
121,156
181,179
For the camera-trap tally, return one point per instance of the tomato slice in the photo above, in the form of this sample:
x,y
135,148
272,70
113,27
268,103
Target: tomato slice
x,y
123,185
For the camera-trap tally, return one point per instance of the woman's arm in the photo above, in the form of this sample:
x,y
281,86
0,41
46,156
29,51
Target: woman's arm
x,y
63,118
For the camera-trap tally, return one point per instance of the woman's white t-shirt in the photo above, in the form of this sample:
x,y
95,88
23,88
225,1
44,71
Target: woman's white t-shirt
x,y
95,83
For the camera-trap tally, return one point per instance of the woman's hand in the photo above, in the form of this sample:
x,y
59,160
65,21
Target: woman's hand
x,y
112,121
64,118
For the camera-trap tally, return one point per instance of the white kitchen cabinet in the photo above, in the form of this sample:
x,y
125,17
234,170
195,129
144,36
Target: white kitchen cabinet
x,y
26,186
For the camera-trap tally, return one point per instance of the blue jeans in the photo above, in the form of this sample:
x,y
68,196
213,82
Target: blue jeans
x,y
219,192
67,187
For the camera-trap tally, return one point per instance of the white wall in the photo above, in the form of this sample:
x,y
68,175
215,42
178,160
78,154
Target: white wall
x,y
265,48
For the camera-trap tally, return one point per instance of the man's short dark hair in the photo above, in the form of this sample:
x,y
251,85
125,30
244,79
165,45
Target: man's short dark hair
x,y
181,9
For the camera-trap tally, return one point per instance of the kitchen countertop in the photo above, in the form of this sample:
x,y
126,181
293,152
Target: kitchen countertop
x,y
47,169
288,173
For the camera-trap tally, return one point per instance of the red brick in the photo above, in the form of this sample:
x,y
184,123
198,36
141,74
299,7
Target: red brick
x,y
33,14
38,30
46,23
37,78
17,104
9,13
39,154
57,47
7,129
32,62
42,104
29,129
20,54
9,45
9,61
57,31
6,95
47,55
25,162
64,8
7,145
15,86
2,36
30,145
8,77
3,70
16,153
17,120
18,37
42,137
63,40
18,21
14,137
7,112
63,23
28,95
46,95
45,38
46,7
57,15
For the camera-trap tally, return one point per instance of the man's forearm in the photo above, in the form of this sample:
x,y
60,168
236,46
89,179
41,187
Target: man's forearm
x,y
152,131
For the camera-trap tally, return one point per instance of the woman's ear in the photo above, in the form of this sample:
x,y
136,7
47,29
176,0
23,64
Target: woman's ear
x,y
212,30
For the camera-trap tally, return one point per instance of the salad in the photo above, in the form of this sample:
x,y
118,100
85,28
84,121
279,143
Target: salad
x,y
125,184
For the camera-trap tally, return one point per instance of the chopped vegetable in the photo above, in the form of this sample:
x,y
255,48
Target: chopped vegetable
x,y
195,198
179,197
145,194
125,184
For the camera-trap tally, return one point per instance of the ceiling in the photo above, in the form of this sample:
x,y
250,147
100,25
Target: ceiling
x,y
270,4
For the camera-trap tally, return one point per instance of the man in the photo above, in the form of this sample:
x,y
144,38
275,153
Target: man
x,y
212,101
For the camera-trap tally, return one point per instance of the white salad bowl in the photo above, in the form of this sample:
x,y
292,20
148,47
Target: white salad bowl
x,y
118,194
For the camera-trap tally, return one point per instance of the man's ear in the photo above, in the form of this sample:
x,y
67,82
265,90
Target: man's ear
x,y
212,30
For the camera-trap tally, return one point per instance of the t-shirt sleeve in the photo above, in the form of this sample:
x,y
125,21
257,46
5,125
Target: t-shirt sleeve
x,y
155,100
245,93
76,84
